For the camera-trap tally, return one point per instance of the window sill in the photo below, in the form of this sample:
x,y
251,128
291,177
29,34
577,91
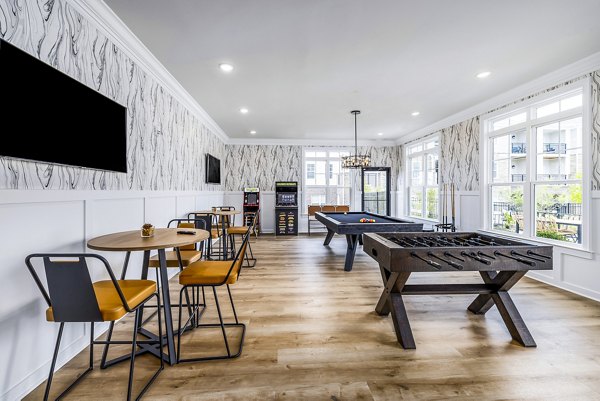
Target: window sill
x,y
574,250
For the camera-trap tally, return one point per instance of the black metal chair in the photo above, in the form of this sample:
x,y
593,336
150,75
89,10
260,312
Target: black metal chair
x,y
211,274
227,221
184,255
243,230
205,222
72,297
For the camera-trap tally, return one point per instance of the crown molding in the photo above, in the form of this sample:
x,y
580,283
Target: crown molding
x,y
106,21
566,73
309,142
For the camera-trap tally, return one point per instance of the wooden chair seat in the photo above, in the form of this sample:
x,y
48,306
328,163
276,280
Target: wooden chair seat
x,y
109,302
187,257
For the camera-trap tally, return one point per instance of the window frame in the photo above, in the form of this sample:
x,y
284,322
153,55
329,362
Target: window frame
x,y
326,159
530,125
408,156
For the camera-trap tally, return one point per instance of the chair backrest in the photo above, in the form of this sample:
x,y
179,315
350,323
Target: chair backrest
x,y
70,290
328,208
312,209
188,223
227,220
203,220
342,208
236,264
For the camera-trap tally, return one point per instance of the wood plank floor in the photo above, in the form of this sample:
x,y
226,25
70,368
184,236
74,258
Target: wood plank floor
x,y
313,335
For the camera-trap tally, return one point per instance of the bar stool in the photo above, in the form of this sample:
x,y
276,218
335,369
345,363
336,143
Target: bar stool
x,y
204,221
242,230
72,297
211,274
183,256
227,221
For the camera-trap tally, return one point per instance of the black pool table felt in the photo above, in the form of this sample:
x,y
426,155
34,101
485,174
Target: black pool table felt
x,y
348,224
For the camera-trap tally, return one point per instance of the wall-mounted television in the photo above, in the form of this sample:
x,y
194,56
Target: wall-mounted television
x,y
54,118
213,170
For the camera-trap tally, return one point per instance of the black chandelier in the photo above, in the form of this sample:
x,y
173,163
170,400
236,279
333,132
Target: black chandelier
x,y
356,160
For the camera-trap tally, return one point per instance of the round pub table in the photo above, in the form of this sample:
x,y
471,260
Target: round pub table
x,y
223,214
130,241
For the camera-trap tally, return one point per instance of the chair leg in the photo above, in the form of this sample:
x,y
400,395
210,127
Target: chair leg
x,y
232,305
250,260
162,362
133,351
223,326
221,321
54,357
105,351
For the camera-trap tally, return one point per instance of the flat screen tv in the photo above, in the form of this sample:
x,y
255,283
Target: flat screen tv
x,y
213,170
54,118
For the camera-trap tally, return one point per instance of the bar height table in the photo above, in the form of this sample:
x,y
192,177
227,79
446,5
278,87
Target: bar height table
x,y
130,241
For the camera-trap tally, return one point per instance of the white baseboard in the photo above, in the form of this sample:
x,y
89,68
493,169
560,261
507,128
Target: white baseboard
x,y
38,376
584,292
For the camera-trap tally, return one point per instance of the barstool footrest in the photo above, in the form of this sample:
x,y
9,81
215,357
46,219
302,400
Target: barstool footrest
x,y
212,358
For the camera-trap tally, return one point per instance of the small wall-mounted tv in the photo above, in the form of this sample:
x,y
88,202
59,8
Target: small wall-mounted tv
x,y
54,118
213,170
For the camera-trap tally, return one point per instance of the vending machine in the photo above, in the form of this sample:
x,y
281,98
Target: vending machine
x,y
286,208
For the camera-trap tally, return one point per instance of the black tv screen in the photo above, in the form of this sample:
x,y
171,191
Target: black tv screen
x,y
54,118
213,170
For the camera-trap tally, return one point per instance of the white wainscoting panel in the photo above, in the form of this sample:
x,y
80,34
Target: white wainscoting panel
x,y
63,221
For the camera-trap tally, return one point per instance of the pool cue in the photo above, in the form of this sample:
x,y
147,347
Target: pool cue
x,y
452,192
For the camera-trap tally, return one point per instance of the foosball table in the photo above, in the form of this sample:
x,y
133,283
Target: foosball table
x,y
500,262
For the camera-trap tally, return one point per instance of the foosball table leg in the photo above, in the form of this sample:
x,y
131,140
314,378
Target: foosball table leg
x,y
391,301
512,319
401,323
504,281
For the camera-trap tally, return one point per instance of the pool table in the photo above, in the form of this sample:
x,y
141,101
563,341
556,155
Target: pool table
x,y
349,225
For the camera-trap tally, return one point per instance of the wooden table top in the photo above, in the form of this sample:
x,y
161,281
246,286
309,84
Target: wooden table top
x,y
133,241
218,212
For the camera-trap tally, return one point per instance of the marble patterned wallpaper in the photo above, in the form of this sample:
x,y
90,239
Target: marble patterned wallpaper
x,y
166,143
459,155
262,165
596,131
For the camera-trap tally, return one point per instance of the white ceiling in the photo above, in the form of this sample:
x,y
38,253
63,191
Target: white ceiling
x,y
301,66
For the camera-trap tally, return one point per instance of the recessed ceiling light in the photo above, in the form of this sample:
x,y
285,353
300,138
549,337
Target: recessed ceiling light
x,y
415,113
226,67
483,74
252,132
380,133
244,110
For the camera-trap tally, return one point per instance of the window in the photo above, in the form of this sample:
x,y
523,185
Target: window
x,y
535,172
422,180
325,182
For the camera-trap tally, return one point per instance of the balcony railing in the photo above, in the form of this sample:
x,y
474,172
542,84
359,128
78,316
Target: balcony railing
x,y
555,148
552,177
519,147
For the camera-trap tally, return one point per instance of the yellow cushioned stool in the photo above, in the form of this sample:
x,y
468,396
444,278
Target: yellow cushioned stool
x,y
72,297
213,274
